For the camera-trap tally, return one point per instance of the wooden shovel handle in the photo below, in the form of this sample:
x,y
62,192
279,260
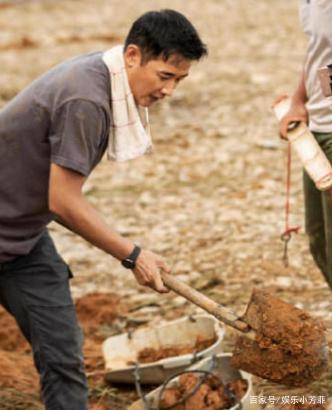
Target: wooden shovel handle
x,y
221,313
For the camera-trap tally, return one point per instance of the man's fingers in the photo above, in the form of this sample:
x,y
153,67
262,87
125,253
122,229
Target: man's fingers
x,y
278,99
163,265
284,124
152,280
283,131
166,268
161,289
159,284
148,271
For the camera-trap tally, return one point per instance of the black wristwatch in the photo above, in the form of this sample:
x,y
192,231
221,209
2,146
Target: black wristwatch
x,y
130,261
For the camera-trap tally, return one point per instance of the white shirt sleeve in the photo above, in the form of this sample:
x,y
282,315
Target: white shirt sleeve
x,y
321,18
304,14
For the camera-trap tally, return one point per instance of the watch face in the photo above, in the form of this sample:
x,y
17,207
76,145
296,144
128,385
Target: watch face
x,y
128,263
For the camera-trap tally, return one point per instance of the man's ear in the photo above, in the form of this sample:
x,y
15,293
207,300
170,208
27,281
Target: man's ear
x,y
132,56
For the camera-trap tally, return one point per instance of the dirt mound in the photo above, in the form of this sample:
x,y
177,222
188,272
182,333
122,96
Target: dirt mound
x,y
17,369
96,309
10,336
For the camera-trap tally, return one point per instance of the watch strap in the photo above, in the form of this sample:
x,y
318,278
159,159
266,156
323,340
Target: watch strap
x,y
130,261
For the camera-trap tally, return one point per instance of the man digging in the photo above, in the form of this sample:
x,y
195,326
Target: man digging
x,y
52,135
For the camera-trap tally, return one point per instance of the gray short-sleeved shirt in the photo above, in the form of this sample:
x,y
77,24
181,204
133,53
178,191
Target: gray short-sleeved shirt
x,y
63,117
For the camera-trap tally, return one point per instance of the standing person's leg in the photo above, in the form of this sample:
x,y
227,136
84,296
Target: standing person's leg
x,y
325,141
315,224
35,290
327,210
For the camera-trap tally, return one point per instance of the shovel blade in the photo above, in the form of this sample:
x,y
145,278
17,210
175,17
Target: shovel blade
x,y
290,347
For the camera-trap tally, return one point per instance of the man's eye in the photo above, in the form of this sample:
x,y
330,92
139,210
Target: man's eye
x,y
164,77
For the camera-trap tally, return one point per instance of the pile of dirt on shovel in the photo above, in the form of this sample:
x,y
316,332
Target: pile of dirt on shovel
x,y
290,346
211,394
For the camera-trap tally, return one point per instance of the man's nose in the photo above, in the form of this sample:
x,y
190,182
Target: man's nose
x,y
168,88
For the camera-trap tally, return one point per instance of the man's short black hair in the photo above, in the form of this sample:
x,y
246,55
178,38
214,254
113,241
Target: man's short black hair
x,y
164,33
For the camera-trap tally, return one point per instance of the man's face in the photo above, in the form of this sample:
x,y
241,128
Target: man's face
x,y
155,79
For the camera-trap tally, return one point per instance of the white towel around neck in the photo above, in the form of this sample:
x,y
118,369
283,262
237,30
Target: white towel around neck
x,y
130,135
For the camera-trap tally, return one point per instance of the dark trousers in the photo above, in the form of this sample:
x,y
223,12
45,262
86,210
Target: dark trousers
x,y
35,290
318,216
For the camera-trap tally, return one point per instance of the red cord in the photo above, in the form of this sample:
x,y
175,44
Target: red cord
x,y
286,235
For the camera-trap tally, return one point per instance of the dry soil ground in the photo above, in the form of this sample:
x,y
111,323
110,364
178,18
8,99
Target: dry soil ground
x,y
210,199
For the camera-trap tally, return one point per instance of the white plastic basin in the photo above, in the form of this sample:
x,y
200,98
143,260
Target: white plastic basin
x,y
122,349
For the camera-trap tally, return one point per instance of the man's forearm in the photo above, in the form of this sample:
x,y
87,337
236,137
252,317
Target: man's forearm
x,y
67,202
300,94
65,199
81,218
